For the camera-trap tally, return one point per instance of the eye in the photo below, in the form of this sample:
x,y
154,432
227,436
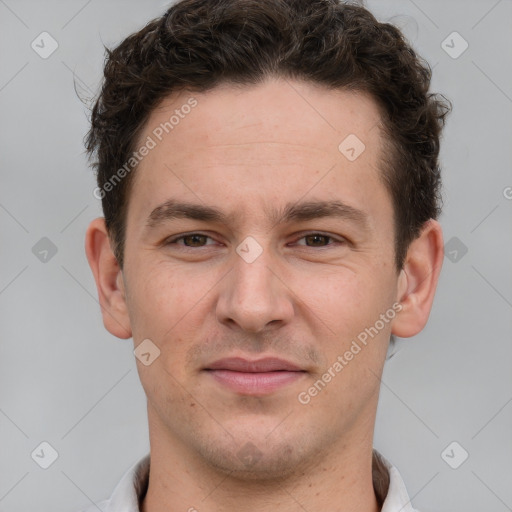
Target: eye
x,y
189,240
198,240
319,240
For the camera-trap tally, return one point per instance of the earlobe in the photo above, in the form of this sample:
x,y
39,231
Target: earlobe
x,y
109,279
418,280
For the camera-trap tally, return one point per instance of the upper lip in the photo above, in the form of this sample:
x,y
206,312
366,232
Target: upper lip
x,y
267,364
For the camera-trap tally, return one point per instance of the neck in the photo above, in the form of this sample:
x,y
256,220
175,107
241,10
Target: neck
x,y
338,481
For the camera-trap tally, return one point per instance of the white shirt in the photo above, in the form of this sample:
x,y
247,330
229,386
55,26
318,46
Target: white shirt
x,y
387,482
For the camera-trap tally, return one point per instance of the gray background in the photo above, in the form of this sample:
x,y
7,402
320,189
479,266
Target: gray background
x,y
67,381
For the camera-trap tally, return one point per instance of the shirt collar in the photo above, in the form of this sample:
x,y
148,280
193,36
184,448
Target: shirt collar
x,y
131,488
388,484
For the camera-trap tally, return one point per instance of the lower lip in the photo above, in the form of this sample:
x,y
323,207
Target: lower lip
x,y
249,383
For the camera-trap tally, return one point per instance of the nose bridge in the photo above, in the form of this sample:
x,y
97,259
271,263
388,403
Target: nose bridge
x,y
253,280
253,295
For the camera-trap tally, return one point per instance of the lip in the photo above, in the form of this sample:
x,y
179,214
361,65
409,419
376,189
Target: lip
x,y
257,378
267,364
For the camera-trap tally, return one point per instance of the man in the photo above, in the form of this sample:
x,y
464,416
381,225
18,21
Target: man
x,y
269,177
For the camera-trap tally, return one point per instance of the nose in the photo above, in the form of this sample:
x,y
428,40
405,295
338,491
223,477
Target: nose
x,y
254,296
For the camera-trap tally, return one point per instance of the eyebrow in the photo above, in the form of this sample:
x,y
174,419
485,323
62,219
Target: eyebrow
x,y
302,211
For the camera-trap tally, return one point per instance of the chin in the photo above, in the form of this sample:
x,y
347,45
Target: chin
x,y
258,456
249,463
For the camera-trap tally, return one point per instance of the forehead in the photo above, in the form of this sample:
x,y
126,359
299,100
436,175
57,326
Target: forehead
x,y
275,139
277,110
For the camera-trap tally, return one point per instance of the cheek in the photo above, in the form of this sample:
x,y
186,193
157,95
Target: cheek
x,y
153,301
345,299
355,342
346,307
169,300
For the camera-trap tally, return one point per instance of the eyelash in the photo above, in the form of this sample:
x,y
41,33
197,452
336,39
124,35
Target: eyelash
x,y
174,240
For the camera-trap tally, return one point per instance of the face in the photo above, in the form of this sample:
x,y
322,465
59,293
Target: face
x,y
257,253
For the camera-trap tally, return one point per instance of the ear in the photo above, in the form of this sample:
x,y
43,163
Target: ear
x,y
418,279
109,279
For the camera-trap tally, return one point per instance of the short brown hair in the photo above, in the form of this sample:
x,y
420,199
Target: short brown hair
x,y
199,44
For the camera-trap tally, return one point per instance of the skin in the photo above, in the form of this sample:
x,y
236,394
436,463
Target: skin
x,y
247,151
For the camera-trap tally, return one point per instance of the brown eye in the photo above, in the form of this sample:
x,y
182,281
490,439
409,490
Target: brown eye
x,y
194,240
191,240
317,240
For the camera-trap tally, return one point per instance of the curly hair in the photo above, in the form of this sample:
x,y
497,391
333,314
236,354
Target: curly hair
x,y
199,44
